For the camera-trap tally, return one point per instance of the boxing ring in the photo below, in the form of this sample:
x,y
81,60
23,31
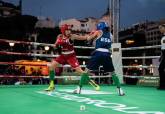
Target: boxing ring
x,y
26,96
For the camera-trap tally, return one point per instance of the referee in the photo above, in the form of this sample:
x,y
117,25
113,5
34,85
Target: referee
x,y
162,60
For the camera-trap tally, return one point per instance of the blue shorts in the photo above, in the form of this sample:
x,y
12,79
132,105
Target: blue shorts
x,y
101,59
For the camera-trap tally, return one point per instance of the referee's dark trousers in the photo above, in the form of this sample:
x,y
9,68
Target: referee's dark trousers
x,y
162,71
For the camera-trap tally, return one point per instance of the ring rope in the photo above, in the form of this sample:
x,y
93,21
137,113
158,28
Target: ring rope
x,y
13,63
40,44
73,77
37,55
83,57
14,76
140,66
146,77
142,57
141,47
28,43
81,47
56,77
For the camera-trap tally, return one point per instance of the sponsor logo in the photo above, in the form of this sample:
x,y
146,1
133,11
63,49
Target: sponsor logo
x,y
87,92
63,94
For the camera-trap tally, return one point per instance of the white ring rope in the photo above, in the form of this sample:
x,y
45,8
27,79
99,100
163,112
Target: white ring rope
x,y
85,57
56,77
13,63
145,77
142,57
37,55
78,77
140,66
40,44
80,47
28,43
141,47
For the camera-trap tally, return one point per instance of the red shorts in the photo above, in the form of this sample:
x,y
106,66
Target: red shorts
x,y
70,59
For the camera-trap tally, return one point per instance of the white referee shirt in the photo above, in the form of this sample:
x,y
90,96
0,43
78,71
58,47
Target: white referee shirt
x,y
163,43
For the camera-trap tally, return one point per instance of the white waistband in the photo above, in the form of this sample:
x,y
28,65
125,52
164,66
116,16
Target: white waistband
x,y
67,52
102,49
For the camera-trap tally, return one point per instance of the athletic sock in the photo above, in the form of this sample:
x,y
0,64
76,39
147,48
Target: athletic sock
x,y
116,80
84,79
51,76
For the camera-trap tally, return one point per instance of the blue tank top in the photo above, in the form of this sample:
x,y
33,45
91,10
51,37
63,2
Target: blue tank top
x,y
103,41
